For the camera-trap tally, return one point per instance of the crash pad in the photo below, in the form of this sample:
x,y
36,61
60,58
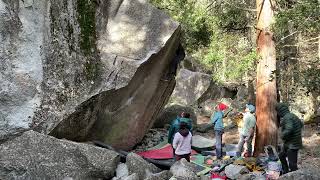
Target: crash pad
x,y
165,152
197,159
202,170
200,143
160,145
227,150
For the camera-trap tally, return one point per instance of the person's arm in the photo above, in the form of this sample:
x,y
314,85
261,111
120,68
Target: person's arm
x,y
286,129
190,125
170,134
175,142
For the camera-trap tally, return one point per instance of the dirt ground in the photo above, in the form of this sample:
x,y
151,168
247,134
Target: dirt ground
x,y
309,156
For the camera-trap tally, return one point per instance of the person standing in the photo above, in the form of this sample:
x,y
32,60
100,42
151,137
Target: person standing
x,y
174,127
217,121
291,127
182,142
247,131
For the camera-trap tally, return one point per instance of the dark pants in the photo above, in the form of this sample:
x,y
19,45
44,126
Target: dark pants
x,y
218,135
186,156
292,155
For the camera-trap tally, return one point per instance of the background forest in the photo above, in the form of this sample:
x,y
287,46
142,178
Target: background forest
x,y
220,39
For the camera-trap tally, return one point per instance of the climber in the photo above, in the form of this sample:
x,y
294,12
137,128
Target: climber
x,y
291,127
182,142
217,122
174,128
247,131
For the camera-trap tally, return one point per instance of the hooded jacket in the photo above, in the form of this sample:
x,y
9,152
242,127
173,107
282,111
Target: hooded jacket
x,y
216,120
174,128
291,127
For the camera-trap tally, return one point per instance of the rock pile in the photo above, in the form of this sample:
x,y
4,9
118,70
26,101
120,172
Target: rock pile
x,y
151,139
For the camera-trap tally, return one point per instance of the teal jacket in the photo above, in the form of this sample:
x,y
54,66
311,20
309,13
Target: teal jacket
x,y
216,120
174,127
291,127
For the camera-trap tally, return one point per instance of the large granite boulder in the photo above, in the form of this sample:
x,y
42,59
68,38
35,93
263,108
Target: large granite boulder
x,y
37,156
190,87
84,69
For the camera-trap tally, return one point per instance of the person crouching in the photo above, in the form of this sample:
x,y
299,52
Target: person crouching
x,y
182,142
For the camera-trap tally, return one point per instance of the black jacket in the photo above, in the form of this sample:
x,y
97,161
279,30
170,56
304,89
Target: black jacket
x,y
291,127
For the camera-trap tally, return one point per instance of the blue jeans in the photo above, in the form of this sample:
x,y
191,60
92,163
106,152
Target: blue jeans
x,y
218,143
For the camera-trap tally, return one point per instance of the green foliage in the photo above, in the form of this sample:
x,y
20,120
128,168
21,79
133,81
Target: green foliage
x,y
86,18
297,24
311,77
301,15
211,37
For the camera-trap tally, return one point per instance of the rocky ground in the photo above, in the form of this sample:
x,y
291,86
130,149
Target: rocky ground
x,y
309,156
37,155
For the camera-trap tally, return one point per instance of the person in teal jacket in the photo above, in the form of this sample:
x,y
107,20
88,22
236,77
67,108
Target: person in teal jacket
x,y
216,120
174,127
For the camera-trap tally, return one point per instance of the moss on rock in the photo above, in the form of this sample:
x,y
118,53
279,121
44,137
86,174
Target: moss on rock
x,y
86,18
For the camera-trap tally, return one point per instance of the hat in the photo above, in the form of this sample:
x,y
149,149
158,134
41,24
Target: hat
x,y
222,106
251,108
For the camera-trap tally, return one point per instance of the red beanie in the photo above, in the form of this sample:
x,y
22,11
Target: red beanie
x,y
222,106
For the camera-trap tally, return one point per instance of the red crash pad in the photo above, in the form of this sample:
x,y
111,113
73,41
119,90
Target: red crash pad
x,y
165,152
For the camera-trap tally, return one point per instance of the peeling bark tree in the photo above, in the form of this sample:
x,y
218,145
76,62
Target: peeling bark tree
x,y
266,94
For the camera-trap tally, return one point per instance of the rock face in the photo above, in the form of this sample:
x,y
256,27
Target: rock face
x,y
302,174
44,157
170,113
137,165
84,69
235,171
183,170
190,87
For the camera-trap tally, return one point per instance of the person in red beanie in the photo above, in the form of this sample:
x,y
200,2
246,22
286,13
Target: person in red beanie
x,y
217,122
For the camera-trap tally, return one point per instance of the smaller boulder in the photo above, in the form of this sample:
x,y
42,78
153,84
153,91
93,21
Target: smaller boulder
x,y
235,171
133,176
122,170
183,170
253,176
200,143
37,155
302,174
136,164
163,175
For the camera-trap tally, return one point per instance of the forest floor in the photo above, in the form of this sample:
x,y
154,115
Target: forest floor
x,y
309,156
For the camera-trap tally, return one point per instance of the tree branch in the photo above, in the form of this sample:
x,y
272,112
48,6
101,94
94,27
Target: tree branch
x,y
285,37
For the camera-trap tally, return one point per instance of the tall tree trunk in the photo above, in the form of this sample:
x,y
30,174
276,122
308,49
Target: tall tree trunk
x,y
266,95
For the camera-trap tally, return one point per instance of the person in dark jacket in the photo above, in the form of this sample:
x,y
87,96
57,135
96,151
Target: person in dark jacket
x,y
291,127
174,127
